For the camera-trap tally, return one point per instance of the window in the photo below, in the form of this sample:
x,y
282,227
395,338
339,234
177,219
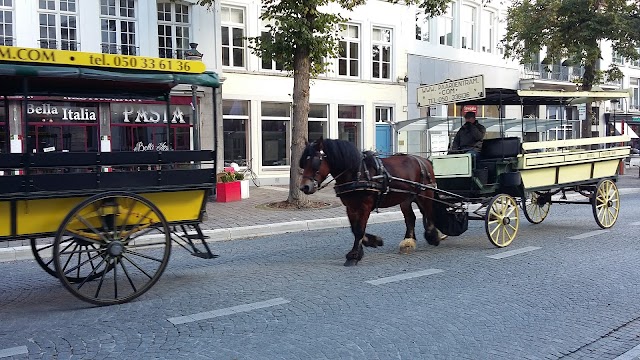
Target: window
x,y
488,21
617,58
318,122
350,124
349,52
267,62
143,127
58,24
233,44
384,114
276,133
422,26
381,53
4,129
173,29
445,26
118,27
6,23
468,27
62,126
636,63
235,118
634,83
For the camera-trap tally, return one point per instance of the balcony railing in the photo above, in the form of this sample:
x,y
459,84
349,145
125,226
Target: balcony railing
x,y
120,49
7,41
172,54
551,72
59,45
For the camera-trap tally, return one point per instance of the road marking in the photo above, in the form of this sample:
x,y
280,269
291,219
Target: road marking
x,y
406,276
589,234
18,350
227,311
513,252
630,355
635,223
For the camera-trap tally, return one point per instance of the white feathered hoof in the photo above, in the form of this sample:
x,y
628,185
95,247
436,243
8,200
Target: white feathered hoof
x,y
407,246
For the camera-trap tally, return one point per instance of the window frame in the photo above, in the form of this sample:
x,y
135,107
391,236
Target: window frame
x,y
381,62
175,51
348,58
118,47
446,19
634,85
488,34
9,40
271,118
246,117
264,33
323,120
230,27
465,24
341,120
423,23
58,42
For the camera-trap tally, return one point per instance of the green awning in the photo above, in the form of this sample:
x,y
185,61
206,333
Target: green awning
x,y
83,82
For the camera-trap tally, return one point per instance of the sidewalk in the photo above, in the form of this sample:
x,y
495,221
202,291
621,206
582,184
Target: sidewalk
x,y
247,218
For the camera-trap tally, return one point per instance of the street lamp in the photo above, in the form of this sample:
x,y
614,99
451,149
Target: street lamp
x,y
614,104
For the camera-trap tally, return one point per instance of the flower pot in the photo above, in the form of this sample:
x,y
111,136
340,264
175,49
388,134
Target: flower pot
x,y
227,192
244,189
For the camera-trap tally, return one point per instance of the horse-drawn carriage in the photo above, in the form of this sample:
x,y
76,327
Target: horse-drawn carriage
x,y
102,222
452,189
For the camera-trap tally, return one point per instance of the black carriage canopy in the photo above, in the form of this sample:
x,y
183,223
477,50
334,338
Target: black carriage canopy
x,y
51,80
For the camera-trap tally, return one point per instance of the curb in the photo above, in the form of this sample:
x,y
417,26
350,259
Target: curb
x,y
246,232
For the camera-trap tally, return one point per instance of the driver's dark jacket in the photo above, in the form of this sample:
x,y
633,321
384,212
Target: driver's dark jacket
x,y
469,137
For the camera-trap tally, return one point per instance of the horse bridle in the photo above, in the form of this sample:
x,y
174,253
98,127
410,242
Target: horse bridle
x,y
316,162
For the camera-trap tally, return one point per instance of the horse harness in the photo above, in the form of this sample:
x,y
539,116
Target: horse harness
x,y
380,182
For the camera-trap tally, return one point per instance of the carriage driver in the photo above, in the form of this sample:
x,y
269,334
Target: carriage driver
x,y
469,138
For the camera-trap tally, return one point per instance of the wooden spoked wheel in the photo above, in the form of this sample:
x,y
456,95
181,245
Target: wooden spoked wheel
x,y
535,211
43,256
605,203
125,244
501,220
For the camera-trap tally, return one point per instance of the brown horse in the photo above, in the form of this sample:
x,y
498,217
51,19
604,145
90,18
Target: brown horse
x,y
364,182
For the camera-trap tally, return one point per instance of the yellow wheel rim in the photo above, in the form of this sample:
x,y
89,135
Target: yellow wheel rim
x,y
502,220
533,211
606,204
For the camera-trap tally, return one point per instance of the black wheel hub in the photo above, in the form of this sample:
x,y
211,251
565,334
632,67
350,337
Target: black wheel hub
x,y
115,248
506,221
609,203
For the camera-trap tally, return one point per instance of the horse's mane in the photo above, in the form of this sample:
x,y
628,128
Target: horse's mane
x,y
341,155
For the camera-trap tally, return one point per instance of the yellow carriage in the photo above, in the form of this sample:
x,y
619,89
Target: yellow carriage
x,y
102,222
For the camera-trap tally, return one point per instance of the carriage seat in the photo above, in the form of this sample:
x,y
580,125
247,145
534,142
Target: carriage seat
x,y
493,151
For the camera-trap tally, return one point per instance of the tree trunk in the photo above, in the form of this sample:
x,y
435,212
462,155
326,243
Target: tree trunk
x,y
300,123
587,84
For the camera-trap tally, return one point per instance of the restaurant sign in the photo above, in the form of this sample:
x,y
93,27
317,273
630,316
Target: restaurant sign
x,y
61,112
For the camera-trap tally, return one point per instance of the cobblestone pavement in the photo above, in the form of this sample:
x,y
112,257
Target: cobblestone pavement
x,y
571,293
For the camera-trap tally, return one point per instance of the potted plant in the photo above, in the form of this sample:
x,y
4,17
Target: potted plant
x,y
228,187
244,185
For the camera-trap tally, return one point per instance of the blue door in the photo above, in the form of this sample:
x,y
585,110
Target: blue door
x,y
383,140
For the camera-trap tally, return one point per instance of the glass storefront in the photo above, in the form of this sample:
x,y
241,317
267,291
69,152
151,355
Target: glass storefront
x,y
62,126
235,114
276,133
4,128
143,127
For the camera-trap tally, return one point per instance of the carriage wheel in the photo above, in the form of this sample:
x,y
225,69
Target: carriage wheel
x,y
130,244
43,256
605,203
534,212
501,220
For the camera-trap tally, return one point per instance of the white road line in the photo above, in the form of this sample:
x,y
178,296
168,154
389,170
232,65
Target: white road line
x,y
513,252
589,234
630,355
406,276
226,311
635,223
18,350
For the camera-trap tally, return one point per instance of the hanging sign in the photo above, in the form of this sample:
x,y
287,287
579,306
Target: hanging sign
x,y
116,61
452,91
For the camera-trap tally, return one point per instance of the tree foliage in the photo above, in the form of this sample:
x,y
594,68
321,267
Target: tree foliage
x,y
573,30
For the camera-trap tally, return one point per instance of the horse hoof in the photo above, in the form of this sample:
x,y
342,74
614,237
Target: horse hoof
x,y
407,246
351,262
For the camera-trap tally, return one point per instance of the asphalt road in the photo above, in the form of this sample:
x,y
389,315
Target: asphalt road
x,y
569,291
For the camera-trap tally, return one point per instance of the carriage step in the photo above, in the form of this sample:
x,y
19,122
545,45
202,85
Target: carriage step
x,y
203,255
196,236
